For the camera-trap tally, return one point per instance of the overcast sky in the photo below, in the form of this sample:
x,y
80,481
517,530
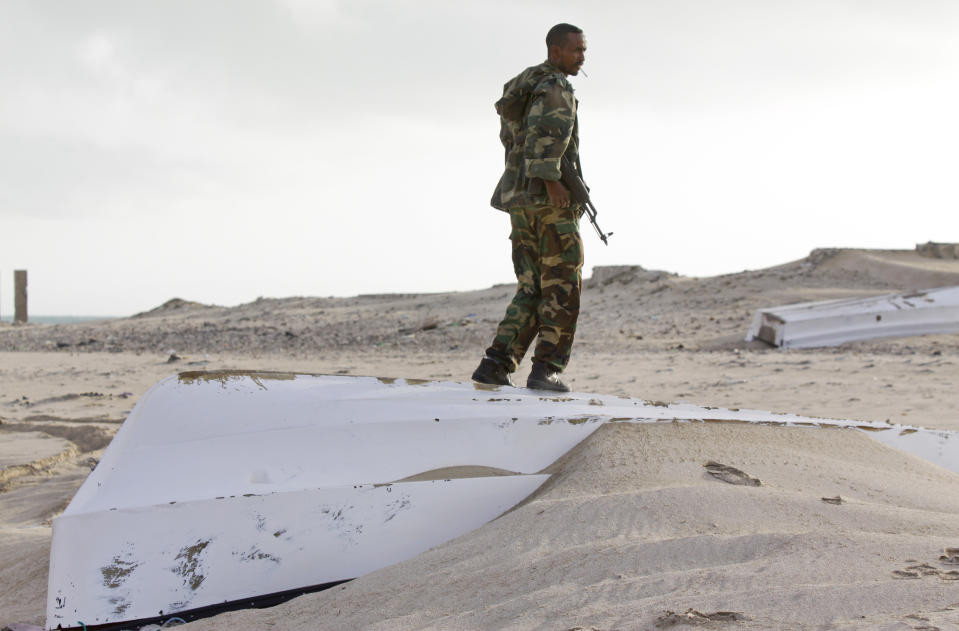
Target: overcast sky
x,y
221,151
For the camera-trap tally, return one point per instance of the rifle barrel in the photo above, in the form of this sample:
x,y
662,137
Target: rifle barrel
x,y
580,192
591,213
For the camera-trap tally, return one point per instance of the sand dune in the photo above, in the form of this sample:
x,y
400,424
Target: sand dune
x,y
631,527
632,532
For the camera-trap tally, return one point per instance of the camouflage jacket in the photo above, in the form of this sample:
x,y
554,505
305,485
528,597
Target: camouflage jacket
x,y
538,126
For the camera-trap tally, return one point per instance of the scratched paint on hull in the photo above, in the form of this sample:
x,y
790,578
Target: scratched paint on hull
x,y
194,554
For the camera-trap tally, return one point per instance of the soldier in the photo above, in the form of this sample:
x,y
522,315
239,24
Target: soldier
x,y
538,127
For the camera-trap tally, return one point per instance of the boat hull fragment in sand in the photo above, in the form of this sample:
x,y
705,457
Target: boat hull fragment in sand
x,y
834,322
224,490
222,487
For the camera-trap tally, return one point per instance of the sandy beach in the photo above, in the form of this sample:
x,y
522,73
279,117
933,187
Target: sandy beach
x,y
630,532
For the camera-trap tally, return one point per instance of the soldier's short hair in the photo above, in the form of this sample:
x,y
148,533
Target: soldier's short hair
x,y
557,34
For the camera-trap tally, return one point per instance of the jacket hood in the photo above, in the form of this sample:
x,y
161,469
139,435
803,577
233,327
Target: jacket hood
x,y
518,90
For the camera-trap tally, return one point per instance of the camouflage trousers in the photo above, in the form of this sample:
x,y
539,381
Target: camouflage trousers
x,y
548,261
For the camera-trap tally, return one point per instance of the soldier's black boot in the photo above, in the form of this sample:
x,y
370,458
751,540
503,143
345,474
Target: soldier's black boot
x,y
542,377
492,372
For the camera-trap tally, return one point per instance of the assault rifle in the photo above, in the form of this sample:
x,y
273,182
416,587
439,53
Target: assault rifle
x,y
579,192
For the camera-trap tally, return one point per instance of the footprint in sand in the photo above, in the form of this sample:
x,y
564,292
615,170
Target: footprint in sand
x,y
731,475
951,557
697,618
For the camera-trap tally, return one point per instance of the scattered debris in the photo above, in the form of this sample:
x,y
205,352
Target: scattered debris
x,y
731,475
833,500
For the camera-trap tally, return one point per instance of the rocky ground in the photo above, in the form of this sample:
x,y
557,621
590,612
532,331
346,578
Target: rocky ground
x,y
625,309
65,389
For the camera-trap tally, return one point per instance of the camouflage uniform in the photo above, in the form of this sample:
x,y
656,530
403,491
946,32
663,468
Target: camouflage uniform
x,y
538,126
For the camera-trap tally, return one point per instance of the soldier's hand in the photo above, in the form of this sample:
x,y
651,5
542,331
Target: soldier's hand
x,y
558,194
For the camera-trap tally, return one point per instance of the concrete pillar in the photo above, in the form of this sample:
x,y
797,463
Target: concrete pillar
x,y
20,296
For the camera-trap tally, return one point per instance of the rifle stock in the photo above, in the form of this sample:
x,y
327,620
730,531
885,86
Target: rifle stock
x,y
580,193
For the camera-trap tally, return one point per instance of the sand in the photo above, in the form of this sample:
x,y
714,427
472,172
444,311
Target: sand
x,y
631,532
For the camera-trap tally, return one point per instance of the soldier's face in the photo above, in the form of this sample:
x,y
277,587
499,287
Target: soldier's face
x,y
571,55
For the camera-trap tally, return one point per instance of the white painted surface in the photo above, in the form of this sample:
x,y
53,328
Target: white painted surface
x,y
136,563
192,440
833,322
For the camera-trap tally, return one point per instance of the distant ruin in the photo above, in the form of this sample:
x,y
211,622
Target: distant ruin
x,y
932,250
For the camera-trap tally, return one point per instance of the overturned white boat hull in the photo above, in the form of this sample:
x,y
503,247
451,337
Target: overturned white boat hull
x,y
232,489
229,486
834,322
160,560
